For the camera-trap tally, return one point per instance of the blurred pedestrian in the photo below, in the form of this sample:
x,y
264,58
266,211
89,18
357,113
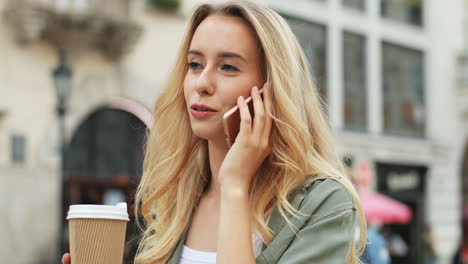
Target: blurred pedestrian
x,y
461,254
277,195
429,254
376,250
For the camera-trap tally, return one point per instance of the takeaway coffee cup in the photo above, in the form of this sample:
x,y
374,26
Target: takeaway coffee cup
x,y
97,233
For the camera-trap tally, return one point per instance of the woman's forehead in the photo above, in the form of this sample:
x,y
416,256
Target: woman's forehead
x,y
224,33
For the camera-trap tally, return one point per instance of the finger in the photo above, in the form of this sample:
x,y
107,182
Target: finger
x,y
66,258
267,101
259,114
246,119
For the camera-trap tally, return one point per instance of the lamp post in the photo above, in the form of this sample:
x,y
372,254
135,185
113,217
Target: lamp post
x,y
62,81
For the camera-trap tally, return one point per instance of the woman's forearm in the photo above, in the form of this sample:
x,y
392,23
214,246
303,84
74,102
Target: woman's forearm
x,y
235,231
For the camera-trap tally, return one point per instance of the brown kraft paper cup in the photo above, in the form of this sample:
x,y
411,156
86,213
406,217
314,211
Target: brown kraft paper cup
x,y
96,240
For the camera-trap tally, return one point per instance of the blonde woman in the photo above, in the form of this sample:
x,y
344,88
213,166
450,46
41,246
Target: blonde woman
x,y
276,196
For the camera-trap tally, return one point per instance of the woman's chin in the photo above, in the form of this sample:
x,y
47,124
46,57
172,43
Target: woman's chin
x,y
209,135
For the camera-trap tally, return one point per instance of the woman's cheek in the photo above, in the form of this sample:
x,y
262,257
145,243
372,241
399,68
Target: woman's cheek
x,y
230,97
188,86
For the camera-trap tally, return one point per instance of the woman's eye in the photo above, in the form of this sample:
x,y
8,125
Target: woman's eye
x,y
194,65
229,68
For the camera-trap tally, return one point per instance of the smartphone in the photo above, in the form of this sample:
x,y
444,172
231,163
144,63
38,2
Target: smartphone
x,y
232,118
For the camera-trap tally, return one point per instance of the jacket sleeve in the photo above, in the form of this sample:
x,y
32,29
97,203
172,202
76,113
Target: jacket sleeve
x,y
325,239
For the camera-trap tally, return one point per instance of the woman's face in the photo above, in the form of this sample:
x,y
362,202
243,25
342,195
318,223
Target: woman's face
x,y
224,63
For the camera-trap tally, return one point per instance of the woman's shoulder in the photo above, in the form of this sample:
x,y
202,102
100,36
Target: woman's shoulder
x,y
326,195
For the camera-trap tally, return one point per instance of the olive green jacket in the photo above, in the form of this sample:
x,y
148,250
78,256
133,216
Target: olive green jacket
x,y
323,237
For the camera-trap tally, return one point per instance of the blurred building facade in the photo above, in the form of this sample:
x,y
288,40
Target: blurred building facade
x,y
120,53
391,72
388,72
462,105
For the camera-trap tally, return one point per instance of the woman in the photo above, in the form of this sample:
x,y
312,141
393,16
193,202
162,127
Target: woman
x,y
277,195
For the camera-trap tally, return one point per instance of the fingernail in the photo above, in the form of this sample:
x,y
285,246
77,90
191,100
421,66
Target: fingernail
x,y
255,89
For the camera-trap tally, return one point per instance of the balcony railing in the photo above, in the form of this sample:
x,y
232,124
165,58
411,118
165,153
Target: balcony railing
x,y
105,25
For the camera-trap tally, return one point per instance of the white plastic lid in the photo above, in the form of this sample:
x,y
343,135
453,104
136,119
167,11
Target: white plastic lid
x,y
118,212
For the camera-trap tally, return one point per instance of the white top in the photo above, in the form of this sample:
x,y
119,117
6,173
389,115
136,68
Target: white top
x,y
192,256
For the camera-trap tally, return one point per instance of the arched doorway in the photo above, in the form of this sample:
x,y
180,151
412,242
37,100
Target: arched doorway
x,y
103,164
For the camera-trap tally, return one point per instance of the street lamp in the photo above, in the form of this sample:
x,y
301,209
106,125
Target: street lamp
x,y
62,80
62,75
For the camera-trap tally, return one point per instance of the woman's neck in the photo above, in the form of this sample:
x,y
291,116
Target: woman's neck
x,y
217,150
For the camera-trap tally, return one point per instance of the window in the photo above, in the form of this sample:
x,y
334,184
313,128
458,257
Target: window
x,y
71,5
63,5
407,11
356,4
18,146
313,39
81,5
354,73
403,91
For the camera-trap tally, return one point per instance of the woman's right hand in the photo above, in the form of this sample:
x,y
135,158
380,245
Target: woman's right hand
x,y
66,259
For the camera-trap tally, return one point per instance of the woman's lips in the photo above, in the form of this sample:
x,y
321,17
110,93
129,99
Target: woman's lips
x,y
200,110
201,114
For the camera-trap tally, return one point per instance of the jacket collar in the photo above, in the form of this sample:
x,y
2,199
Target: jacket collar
x,y
276,224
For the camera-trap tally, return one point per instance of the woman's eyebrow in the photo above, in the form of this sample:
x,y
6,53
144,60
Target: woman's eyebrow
x,y
227,54
223,54
195,52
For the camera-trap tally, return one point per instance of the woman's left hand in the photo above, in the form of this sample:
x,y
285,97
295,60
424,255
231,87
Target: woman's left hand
x,y
252,145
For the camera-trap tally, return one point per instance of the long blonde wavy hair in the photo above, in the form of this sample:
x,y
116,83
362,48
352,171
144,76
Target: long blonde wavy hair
x,y
176,168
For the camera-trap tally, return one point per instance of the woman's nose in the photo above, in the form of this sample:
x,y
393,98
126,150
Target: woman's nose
x,y
206,83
